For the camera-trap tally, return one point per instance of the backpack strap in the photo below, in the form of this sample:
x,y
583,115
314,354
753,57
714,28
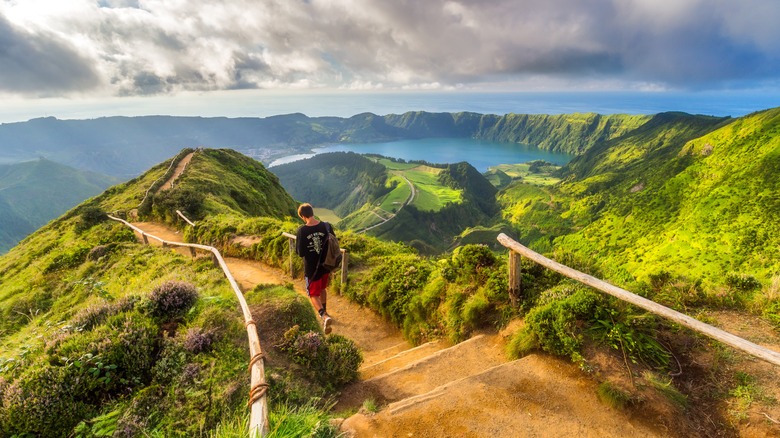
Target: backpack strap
x,y
328,227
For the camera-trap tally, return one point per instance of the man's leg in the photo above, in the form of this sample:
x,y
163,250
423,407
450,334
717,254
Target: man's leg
x,y
315,290
324,293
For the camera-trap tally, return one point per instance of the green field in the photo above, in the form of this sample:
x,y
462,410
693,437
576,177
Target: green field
x,y
431,194
392,165
396,198
327,215
523,172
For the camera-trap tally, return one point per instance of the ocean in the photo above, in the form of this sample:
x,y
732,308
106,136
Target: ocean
x,y
265,103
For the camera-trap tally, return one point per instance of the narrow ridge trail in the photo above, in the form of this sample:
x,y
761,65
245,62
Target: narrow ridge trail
x,y
443,390
375,336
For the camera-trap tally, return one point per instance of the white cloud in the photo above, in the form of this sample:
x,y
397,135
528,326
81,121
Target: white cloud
x,y
129,47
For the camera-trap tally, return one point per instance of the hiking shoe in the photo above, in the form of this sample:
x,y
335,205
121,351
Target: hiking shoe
x,y
326,325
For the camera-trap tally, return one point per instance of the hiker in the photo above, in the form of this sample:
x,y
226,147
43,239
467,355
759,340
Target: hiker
x,y
311,239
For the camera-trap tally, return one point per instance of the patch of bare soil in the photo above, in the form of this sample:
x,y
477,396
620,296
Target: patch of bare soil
x,y
754,403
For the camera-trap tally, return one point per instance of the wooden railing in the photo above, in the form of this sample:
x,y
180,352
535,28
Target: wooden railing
x,y
181,215
516,250
291,238
258,418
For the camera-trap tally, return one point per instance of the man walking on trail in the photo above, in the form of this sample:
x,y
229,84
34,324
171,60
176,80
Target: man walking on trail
x,y
311,244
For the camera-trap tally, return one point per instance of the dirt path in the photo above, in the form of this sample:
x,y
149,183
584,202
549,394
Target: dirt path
x,y
439,390
178,171
375,336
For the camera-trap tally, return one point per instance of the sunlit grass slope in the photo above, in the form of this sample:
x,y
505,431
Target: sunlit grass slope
x,y
694,196
100,335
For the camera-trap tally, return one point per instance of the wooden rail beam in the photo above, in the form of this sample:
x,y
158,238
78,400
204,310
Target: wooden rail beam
x,y
258,417
651,306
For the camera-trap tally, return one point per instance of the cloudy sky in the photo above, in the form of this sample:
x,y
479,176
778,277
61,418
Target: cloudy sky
x,y
127,49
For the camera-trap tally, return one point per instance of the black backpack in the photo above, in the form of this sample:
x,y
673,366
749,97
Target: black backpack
x,y
333,256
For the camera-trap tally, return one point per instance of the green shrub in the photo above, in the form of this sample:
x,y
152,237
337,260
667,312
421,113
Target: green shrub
x,y
68,259
556,325
772,313
473,262
475,309
632,334
678,292
172,299
89,217
521,344
170,362
422,321
331,360
742,282
392,284
188,201
453,318
43,403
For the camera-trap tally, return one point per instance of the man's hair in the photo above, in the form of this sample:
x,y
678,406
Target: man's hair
x,y
305,211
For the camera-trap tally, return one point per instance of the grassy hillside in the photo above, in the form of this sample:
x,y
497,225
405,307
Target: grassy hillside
x,y
102,336
569,133
34,192
338,181
688,195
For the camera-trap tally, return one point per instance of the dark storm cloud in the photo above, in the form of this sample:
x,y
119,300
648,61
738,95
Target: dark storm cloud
x,y
41,64
156,46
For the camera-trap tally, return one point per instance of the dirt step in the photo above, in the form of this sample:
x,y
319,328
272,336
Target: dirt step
x,y
534,396
401,358
468,357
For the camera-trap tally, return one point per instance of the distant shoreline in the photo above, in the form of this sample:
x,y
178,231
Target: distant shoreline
x,y
262,103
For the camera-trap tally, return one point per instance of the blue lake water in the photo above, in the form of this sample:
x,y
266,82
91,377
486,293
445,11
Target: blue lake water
x,y
479,153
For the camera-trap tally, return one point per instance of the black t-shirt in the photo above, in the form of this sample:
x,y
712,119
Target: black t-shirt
x,y
311,244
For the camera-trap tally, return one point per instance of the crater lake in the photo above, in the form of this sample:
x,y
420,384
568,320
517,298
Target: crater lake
x,y
481,154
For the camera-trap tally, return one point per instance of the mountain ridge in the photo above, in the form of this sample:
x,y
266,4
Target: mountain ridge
x,y
34,192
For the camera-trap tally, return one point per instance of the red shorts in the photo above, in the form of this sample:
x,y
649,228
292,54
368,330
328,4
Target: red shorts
x,y
315,288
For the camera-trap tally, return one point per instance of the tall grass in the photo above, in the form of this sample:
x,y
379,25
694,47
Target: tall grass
x,y
284,422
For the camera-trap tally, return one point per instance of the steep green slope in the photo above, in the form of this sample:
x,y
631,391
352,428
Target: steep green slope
x,y
689,195
220,181
569,133
432,231
101,335
34,192
339,181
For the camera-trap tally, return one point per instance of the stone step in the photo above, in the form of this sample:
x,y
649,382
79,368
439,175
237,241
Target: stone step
x,y
372,357
435,369
401,359
534,396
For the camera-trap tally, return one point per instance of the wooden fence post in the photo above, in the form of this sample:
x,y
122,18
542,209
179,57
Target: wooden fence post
x,y
344,261
515,278
292,250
